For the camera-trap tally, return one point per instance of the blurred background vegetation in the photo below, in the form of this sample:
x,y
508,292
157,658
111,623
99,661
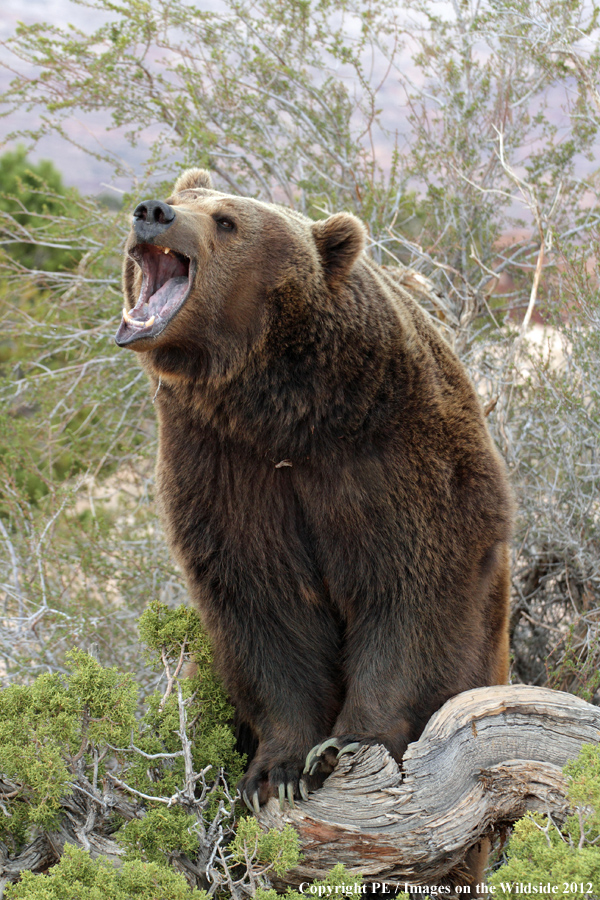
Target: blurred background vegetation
x,y
464,134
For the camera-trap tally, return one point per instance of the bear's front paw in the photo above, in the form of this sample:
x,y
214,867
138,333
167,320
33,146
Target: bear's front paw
x,y
324,757
282,780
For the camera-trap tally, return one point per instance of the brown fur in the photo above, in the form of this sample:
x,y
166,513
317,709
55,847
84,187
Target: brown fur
x,y
355,588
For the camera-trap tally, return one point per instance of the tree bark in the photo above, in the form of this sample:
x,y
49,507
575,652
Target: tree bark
x,y
485,758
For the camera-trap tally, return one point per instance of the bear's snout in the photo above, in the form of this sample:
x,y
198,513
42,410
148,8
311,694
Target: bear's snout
x,y
151,218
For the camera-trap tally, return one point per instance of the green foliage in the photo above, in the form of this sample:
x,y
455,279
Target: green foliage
x,y
34,201
78,876
174,636
539,852
584,794
161,832
48,726
106,698
339,877
213,744
67,740
167,632
337,883
64,725
272,849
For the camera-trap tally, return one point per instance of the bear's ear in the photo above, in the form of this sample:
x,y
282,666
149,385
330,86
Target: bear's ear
x,y
193,178
339,240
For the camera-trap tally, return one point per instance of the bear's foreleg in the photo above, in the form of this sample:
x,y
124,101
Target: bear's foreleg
x,y
280,663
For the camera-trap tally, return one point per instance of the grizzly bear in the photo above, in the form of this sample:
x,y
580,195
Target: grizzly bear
x,y
325,477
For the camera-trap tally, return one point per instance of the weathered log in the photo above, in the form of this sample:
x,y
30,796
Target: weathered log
x,y
37,856
485,758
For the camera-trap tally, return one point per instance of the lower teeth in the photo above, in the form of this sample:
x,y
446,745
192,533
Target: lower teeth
x,y
137,322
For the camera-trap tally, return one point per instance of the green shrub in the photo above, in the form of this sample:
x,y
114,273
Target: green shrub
x,y
33,196
161,832
51,728
73,750
276,849
79,877
337,883
566,861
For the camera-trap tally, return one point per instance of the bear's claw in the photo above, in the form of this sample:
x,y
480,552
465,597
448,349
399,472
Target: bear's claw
x,y
315,756
283,790
253,806
287,790
349,748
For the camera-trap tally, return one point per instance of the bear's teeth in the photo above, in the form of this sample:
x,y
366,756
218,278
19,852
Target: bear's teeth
x,y
166,250
129,319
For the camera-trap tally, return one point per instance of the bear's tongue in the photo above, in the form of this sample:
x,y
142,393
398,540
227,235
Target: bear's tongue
x,y
165,284
162,301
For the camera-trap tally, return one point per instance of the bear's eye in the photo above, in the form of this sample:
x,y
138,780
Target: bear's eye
x,y
225,223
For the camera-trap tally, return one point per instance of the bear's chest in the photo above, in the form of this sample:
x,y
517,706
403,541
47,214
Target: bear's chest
x,y
219,498
216,496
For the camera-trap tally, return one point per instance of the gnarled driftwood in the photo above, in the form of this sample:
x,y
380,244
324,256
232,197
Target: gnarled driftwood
x,y
485,758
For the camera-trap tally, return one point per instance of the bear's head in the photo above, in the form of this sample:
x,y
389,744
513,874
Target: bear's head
x,y
201,271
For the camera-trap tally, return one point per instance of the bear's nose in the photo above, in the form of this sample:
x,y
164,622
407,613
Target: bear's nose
x,y
151,218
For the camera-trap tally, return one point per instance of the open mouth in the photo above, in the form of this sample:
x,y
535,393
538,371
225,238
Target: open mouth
x,y
167,278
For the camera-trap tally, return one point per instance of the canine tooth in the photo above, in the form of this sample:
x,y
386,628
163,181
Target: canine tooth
x,y
166,250
150,322
129,319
